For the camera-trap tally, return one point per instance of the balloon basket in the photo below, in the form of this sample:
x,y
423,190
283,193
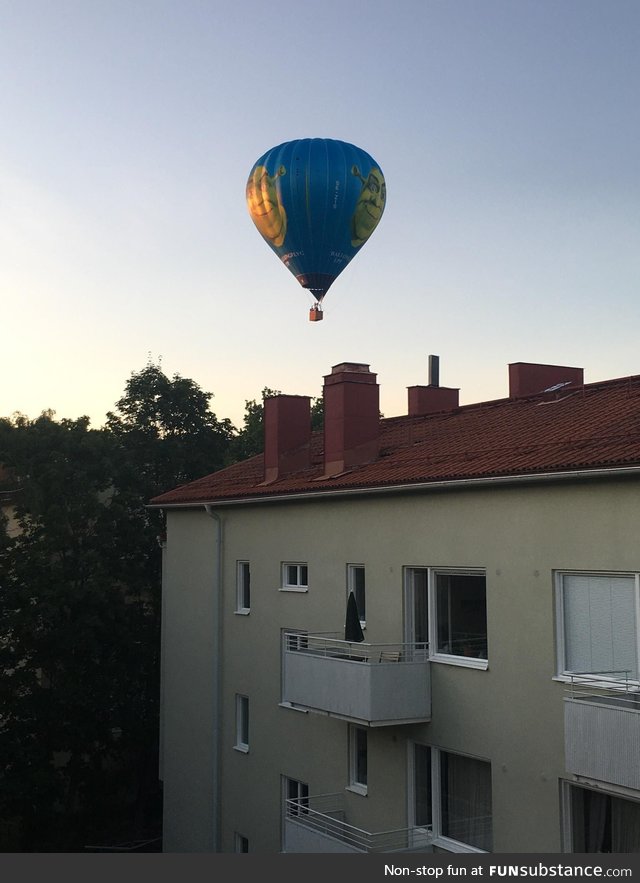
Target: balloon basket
x,y
315,313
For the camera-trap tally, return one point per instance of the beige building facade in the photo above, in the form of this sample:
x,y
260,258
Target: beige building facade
x,y
499,661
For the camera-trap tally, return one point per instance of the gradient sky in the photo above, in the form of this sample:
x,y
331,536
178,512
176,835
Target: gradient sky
x,y
508,132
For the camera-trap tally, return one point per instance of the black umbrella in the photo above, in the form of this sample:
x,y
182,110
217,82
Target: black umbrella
x,y
352,628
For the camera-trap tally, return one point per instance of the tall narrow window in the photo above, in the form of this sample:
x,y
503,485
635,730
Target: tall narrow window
x,y
465,800
242,723
452,798
356,584
422,786
241,843
461,613
296,795
243,587
358,759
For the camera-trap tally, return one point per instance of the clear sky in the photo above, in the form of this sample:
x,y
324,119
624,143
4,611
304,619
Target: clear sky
x,y
508,132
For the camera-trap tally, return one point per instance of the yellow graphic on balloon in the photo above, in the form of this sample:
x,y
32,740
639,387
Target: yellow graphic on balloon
x,y
265,207
369,206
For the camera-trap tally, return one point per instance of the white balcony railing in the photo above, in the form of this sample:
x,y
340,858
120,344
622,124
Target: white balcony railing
x,y
372,684
319,824
602,727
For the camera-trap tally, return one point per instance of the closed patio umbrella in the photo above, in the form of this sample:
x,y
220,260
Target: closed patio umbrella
x,y
352,628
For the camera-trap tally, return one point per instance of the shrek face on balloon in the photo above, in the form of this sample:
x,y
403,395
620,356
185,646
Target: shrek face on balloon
x,y
265,208
370,205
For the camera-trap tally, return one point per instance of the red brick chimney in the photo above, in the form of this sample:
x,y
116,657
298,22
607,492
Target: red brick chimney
x,y
351,417
287,430
527,378
430,399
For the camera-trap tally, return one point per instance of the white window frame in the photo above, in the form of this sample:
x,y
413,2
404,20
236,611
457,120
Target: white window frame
x,y
302,791
354,735
243,587
242,723
432,573
299,585
563,673
439,839
351,587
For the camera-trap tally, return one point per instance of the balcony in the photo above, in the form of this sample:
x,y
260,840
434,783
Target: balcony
x,y
602,728
319,824
369,684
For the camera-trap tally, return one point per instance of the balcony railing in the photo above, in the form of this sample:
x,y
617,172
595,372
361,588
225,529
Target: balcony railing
x,y
318,824
602,727
371,684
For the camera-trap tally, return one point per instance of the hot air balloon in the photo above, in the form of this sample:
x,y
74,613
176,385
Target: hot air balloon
x,y
316,202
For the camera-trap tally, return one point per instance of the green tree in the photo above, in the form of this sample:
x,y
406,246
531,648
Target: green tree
x,y
80,610
78,638
168,430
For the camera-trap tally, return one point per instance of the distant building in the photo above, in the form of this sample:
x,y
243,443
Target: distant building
x,y
493,553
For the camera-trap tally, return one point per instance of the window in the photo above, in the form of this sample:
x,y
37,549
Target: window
x,y
598,632
243,587
297,791
358,759
295,577
448,610
600,822
242,723
241,843
452,794
355,584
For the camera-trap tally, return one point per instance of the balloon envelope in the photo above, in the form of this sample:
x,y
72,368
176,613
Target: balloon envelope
x,y
316,202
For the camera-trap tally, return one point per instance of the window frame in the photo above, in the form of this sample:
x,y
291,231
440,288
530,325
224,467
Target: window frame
x,y
351,587
299,586
432,574
569,822
439,839
242,723
302,793
563,673
243,587
355,735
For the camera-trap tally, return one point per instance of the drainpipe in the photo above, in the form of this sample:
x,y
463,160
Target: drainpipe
x,y
217,666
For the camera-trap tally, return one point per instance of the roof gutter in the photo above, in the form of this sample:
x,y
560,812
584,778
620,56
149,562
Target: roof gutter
x,y
457,484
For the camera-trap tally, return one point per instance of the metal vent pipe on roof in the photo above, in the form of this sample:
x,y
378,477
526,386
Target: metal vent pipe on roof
x,y
434,370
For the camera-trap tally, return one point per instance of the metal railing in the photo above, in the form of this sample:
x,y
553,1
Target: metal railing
x,y
612,686
324,814
331,646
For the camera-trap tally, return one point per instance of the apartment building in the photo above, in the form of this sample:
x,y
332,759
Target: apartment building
x,y
489,700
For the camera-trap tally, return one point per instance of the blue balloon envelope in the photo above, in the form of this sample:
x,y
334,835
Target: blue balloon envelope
x,y
316,202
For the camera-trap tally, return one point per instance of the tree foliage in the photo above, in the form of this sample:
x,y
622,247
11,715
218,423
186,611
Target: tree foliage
x,y
80,573
78,636
168,430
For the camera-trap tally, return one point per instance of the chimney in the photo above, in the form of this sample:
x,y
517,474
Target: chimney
x,y
432,398
287,431
527,378
351,417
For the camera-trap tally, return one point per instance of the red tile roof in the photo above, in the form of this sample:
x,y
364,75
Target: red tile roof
x,y
595,426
